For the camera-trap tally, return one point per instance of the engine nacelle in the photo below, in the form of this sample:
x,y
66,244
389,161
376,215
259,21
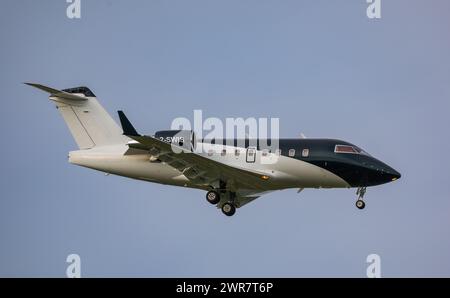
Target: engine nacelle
x,y
181,138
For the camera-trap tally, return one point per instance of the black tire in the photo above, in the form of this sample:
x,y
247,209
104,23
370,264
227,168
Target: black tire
x,y
213,197
360,204
228,209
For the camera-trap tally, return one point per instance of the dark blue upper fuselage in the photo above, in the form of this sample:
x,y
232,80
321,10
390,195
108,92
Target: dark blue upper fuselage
x,y
357,168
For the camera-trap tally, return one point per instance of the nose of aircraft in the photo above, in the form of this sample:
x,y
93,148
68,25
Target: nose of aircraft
x,y
386,173
377,172
393,174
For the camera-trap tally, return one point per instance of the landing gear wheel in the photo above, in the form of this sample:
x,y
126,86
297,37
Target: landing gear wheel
x,y
360,204
213,197
228,209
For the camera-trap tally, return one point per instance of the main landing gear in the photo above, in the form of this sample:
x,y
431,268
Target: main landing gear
x,y
228,208
213,197
360,193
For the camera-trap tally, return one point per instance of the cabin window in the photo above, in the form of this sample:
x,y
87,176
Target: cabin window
x,y
305,152
346,149
224,152
291,152
265,152
251,154
237,152
210,152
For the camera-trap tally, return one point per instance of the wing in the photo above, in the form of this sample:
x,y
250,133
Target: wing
x,y
198,169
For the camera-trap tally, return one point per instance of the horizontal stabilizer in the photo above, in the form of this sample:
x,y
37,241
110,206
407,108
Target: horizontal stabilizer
x,y
58,93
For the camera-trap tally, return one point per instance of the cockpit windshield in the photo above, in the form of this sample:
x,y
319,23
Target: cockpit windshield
x,y
349,149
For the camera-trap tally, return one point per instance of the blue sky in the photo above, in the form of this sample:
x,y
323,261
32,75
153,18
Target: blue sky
x,y
322,67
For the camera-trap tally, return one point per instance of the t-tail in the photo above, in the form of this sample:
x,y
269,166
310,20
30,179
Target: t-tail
x,y
87,120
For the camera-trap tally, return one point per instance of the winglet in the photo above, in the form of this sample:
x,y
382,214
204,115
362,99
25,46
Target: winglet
x,y
127,127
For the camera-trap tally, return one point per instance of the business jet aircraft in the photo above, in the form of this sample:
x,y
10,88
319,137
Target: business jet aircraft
x,y
230,171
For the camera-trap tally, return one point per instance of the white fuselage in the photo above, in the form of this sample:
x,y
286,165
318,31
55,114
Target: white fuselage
x,y
285,172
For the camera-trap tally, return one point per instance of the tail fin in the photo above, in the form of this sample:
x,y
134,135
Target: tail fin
x,y
87,120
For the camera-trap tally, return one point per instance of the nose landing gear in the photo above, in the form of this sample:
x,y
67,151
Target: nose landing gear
x,y
360,193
